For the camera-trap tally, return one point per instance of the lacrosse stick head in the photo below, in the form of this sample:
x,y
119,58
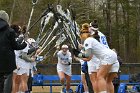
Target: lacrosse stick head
x,y
59,7
34,2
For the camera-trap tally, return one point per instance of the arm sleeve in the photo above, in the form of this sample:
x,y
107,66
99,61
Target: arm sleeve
x,y
88,48
15,45
58,54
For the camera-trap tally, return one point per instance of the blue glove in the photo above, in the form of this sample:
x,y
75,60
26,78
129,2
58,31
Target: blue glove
x,y
85,67
39,58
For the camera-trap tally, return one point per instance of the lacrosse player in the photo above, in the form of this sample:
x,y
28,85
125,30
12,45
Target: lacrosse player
x,y
64,67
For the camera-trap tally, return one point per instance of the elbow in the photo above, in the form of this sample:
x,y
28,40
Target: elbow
x,y
86,59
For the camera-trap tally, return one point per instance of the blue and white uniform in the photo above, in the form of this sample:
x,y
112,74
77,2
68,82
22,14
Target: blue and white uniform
x,y
63,62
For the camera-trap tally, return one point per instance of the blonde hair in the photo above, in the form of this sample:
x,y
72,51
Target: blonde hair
x,y
84,32
85,27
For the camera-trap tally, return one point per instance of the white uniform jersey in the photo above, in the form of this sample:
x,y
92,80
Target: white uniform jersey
x,y
100,51
94,63
63,60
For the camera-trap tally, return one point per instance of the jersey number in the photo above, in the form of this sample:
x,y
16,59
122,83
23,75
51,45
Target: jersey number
x,y
103,39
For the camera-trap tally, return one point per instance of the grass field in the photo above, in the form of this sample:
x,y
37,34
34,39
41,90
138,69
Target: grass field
x,y
56,89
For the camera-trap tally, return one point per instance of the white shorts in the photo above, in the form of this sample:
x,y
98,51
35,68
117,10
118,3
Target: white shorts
x,y
21,71
115,67
64,68
109,59
92,68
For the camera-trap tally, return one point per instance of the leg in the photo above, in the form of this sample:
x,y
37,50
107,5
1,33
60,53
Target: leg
x,y
93,77
84,82
68,79
16,82
24,79
110,86
101,75
62,78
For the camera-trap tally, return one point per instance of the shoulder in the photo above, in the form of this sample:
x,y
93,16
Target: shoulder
x,y
10,33
69,53
89,39
26,48
100,33
59,52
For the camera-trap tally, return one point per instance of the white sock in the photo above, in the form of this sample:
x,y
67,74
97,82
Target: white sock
x,y
103,92
86,92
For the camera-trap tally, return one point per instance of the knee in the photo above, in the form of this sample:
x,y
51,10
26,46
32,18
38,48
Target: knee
x,y
17,83
68,81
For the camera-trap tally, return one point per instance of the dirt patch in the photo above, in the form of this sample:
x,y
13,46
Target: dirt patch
x,y
46,89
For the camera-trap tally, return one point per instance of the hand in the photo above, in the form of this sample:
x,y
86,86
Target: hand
x,y
80,46
85,67
76,52
65,63
38,51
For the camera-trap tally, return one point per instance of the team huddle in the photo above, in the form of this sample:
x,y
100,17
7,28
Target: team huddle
x,y
93,53
102,62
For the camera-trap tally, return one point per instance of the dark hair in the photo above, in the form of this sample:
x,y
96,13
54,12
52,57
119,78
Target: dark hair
x,y
24,29
94,23
96,36
16,29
